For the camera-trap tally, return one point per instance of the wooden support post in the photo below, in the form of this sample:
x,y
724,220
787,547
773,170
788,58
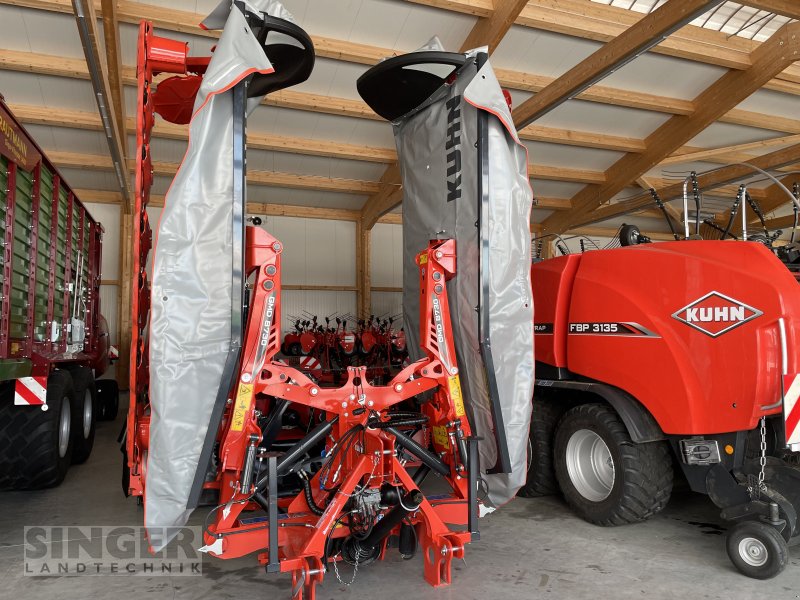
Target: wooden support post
x,y
363,270
124,295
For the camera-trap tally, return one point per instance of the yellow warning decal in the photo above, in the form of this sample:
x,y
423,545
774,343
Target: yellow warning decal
x,y
423,259
455,394
440,437
243,396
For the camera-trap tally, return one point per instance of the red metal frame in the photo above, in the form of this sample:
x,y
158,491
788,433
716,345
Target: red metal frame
x,y
262,379
154,55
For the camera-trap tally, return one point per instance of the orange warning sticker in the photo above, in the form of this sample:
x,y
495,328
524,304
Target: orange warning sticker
x,y
440,437
454,383
243,396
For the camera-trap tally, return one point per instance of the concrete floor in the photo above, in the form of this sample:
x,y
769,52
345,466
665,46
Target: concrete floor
x,y
529,549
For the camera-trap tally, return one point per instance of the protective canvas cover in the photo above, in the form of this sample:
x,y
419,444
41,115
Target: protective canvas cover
x,y
439,161
190,324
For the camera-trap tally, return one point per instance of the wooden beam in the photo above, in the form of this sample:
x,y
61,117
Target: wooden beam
x,y
41,115
85,120
610,232
75,119
113,121
265,178
536,171
490,30
114,61
363,270
254,208
780,222
43,64
124,296
618,51
319,288
787,8
552,203
389,196
682,155
584,139
294,145
782,49
392,219
303,212
478,8
707,182
776,196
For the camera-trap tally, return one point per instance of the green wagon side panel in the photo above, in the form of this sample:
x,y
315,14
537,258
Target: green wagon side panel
x,y
61,255
40,324
3,184
21,253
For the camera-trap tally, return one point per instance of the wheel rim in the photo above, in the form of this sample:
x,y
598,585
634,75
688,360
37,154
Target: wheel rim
x,y
87,414
590,465
63,428
753,552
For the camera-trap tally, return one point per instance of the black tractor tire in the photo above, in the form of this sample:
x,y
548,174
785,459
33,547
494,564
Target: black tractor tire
x,y
84,414
640,480
31,456
541,473
757,549
108,399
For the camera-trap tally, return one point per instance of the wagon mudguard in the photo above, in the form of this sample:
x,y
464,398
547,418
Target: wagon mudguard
x,y
464,176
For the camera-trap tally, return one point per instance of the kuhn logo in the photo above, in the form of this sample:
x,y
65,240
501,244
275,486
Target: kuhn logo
x,y
715,314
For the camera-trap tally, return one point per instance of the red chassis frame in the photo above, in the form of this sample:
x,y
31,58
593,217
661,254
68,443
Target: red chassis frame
x,y
303,536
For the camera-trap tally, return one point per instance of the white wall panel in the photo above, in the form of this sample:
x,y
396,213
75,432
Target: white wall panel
x,y
108,308
301,303
108,216
388,304
316,251
387,256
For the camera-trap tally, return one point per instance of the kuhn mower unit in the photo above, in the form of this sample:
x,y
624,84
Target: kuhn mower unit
x,y
304,475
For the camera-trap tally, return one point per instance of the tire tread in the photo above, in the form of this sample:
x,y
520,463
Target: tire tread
x,y
646,468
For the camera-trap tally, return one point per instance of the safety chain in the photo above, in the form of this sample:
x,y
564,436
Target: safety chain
x,y
756,485
355,570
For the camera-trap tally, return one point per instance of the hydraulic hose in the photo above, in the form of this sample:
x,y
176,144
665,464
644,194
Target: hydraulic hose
x,y
312,504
